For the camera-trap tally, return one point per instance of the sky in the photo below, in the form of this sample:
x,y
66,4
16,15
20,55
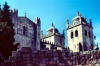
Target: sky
x,y
58,11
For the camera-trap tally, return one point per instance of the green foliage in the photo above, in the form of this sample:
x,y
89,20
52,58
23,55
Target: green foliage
x,y
6,32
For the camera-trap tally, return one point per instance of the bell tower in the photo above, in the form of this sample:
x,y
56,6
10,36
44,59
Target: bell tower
x,y
38,29
80,34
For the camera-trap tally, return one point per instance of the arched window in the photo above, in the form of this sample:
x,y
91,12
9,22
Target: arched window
x,y
25,30
85,32
76,33
89,34
80,47
71,34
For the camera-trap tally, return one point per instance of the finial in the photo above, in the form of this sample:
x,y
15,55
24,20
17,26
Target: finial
x,y
14,9
42,32
25,13
79,13
36,17
6,2
91,22
94,37
90,19
63,31
39,19
52,24
67,21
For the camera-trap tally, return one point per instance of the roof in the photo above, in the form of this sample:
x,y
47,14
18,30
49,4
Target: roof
x,y
23,20
52,31
78,17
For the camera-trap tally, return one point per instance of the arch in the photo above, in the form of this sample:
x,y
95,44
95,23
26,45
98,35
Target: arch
x,y
89,33
71,34
76,33
25,30
85,32
80,47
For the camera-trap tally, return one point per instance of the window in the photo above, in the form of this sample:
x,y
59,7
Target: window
x,y
25,30
85,32
89,34
80,47
76,33
71,34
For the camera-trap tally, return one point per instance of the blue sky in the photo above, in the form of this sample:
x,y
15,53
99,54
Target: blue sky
x,y
57,11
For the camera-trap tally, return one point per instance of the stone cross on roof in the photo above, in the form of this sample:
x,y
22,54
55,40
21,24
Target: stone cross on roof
x,y
25,13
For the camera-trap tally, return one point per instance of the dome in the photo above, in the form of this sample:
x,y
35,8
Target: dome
x,y
52,31
78,17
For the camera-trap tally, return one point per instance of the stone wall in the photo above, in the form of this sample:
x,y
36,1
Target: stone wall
x,y
28,57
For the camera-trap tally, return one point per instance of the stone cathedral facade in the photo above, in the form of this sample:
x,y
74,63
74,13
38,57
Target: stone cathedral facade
x,y
27,32
80,34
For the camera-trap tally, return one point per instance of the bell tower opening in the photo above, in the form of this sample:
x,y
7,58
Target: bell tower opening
x,y
71,35
85,32
76,33
80,47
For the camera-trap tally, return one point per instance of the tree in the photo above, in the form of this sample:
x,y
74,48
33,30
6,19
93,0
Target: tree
x,y
0,13
7,33
1,58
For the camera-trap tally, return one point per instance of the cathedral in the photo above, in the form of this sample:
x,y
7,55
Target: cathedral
x,y
28,34
50,48
26,31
